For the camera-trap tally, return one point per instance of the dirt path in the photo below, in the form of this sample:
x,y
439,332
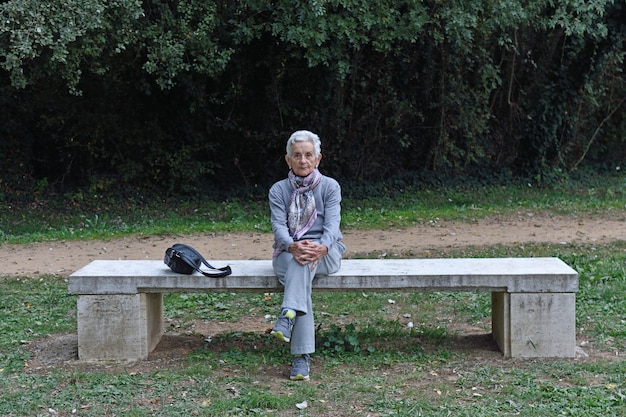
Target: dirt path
x,y
430,239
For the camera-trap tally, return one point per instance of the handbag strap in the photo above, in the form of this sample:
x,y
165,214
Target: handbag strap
x,y
224,271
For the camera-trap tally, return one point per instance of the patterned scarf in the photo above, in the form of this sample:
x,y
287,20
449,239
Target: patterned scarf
x,y
302,211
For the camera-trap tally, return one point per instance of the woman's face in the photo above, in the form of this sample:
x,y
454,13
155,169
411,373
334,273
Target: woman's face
x,y
303,160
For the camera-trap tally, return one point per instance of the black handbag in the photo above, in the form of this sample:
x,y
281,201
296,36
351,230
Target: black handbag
x,y
184,259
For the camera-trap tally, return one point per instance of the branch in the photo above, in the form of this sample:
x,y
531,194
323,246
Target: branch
x,y
595,133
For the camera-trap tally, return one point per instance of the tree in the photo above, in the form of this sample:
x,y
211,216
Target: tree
x,y
184,92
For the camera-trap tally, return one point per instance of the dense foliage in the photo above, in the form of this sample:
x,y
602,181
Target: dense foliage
x,y
182,94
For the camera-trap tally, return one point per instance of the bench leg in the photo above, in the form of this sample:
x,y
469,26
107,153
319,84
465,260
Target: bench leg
x,y
500,322
119,327
532,325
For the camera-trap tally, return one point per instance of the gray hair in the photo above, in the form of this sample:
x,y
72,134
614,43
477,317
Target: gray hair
x,y
304,136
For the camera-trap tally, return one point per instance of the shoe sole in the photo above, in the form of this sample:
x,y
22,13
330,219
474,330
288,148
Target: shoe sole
x,y
299,377
280,336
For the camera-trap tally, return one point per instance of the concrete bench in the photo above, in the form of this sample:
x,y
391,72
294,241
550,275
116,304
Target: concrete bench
x,y
120,303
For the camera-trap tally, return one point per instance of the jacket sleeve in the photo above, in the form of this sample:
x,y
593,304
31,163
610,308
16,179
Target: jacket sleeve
x,y
332,214
278,200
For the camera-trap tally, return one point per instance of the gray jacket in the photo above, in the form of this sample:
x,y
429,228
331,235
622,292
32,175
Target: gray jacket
x,y
324,230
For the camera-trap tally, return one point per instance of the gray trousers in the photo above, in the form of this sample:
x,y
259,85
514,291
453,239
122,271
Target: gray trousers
x,y
298,283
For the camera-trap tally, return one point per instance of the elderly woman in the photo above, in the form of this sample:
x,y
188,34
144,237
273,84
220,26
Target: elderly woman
x,y
305,213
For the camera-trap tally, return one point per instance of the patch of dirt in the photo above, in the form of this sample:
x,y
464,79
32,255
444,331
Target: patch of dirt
x,y
431,239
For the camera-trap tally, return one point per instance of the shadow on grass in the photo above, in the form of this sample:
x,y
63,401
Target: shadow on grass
x,y
175,350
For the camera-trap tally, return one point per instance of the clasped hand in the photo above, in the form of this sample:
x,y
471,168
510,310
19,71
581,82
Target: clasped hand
x,y
307,252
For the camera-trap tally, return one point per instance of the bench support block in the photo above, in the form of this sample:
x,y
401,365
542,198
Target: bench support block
x,y
129,326
119,327
534,325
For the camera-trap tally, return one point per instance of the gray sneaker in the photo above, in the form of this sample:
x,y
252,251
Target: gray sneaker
x,y
300,366
282,328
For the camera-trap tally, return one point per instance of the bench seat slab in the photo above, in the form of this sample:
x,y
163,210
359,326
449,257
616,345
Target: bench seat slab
x,y
467,274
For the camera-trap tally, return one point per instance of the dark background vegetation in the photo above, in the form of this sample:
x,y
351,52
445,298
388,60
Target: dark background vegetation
x,y
187,96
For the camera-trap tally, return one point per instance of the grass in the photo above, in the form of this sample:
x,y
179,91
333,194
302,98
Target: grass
x,y
369,362
79,216
397,370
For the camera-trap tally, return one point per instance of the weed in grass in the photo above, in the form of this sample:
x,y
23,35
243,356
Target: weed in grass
x,y
340,340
